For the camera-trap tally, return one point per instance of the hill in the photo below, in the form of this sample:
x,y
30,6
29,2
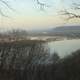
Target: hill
x,y
66,29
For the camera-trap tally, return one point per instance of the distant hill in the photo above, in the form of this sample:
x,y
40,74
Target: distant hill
x,y
69,31
66,29
59,29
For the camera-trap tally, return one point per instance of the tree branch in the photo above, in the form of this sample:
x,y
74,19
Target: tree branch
x,y
7,6
5,3
76,6
42,5
70,15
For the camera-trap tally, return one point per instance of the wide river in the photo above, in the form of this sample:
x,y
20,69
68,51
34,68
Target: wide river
x,y
64,47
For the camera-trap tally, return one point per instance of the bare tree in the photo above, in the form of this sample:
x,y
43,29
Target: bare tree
x,y
6,5
71,12
41,5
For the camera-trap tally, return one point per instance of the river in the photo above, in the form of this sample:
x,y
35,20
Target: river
x,y
64,47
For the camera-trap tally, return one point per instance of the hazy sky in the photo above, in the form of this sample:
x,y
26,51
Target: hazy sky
x,y
28,15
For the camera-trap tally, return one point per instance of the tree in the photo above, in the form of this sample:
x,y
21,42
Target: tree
x,y
71,11
71,14
41,5
18,34
55,57
6,5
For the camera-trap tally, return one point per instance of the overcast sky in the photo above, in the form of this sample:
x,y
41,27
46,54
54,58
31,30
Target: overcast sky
x,y
28,15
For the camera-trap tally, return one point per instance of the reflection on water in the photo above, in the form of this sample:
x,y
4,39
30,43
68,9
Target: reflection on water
x,y
64,47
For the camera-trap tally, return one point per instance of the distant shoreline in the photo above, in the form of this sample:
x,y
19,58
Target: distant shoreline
x,y
37,40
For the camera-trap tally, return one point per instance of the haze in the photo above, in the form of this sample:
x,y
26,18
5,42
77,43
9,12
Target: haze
x,y
27,15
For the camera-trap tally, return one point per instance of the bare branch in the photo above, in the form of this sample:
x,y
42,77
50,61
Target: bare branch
x,y
70,15
42,5
1,12
76,6
6,5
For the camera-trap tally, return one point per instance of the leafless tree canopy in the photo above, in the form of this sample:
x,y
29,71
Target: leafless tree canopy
x,y
41,5
6,5
69,14
73,13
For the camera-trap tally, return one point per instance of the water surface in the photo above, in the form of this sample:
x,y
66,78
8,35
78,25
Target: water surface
x,y
64,47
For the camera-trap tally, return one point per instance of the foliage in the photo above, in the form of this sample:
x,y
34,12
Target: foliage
x,y
31,61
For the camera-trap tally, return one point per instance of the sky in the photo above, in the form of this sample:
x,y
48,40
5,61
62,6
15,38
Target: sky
x,y
27,14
